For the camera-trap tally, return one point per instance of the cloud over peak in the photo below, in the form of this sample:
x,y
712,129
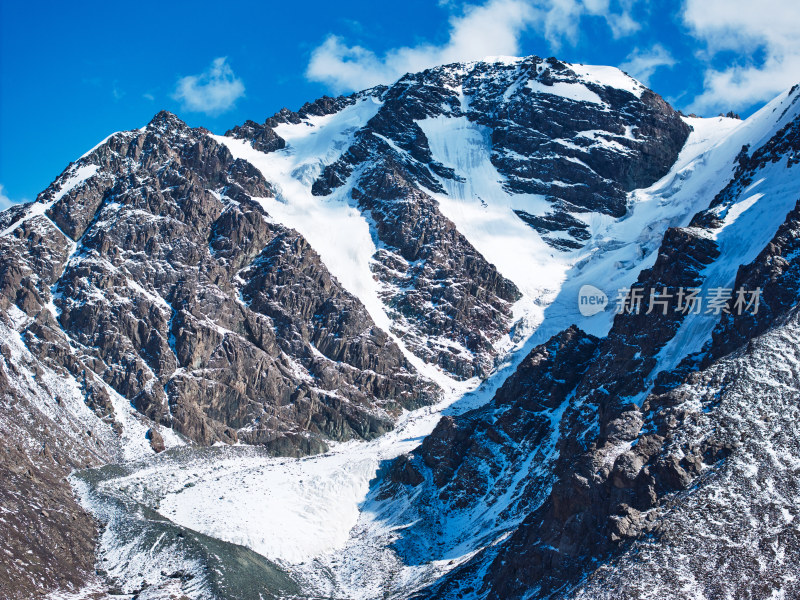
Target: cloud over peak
x,y
480,31
475,32
641,64
737,52
5,201
763,36
212,92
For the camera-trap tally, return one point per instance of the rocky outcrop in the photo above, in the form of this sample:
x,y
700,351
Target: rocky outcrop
x,y
48,539
783,145
171,285
608,141
628,354
263,137
553,131
518,417
448,303
476,473
776,273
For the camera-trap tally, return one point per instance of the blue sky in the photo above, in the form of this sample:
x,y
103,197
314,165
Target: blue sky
x,y
72,73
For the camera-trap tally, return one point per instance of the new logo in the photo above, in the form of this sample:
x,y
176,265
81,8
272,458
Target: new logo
x,y
591,300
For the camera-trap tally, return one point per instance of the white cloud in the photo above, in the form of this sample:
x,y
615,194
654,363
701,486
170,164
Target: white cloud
x,y
5,201
212,92
560,20
767,29
643,63
491,29
623,24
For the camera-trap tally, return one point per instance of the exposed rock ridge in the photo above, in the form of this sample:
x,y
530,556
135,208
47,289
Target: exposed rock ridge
x,y
163,240
623,467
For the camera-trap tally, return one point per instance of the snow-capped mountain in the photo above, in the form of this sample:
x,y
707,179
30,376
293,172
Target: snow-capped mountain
x,y
341,354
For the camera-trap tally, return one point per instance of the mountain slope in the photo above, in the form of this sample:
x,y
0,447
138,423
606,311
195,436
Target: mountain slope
x,y
171,285
626,460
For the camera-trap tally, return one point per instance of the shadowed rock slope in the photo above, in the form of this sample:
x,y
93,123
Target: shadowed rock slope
x,y
615,474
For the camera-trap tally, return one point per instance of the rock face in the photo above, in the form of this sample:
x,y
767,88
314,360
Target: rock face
x,y
467,468
447,300
170,285
48,539
649,463
540,147
263,137
146,275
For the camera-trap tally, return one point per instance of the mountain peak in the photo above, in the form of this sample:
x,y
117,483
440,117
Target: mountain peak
x,y
164,120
